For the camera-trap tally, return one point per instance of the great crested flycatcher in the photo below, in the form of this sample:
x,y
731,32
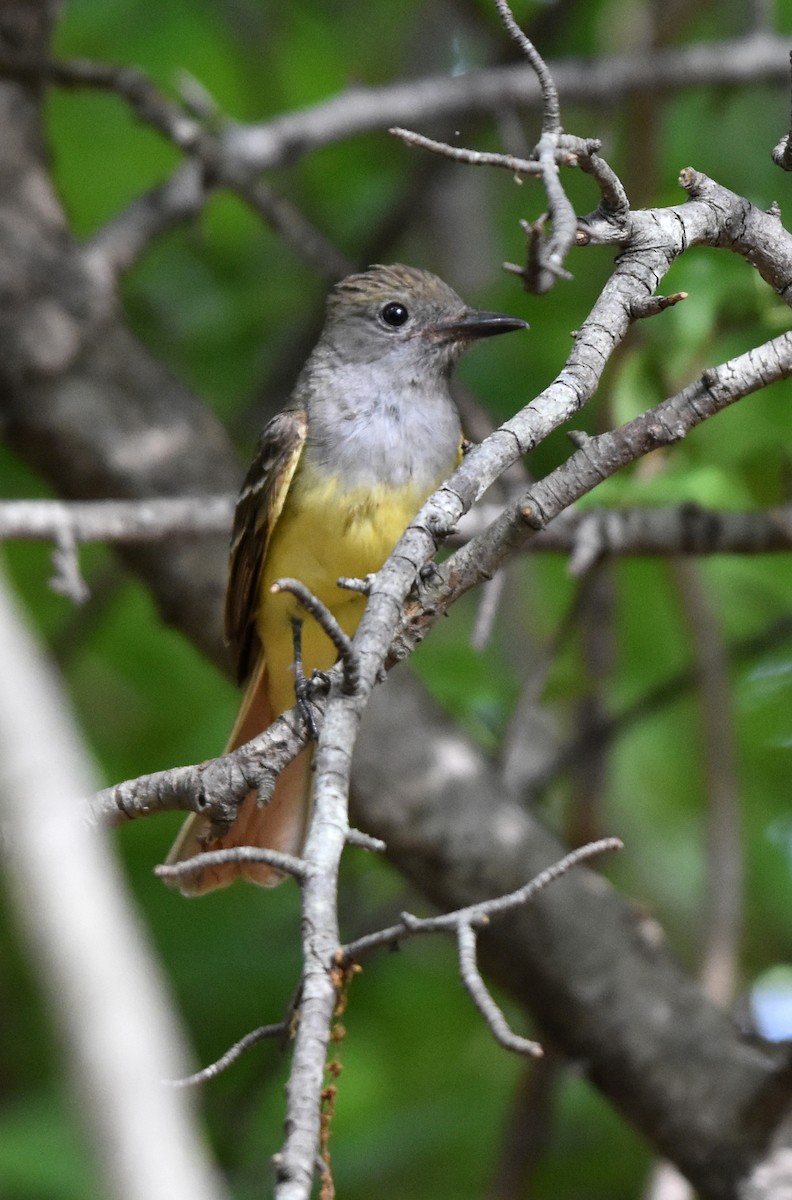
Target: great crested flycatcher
x,y
370,431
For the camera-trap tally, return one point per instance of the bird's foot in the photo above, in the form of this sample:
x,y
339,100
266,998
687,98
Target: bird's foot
x,y
304,691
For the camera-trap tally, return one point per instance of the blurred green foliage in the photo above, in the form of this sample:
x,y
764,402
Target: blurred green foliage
x,y
425,1094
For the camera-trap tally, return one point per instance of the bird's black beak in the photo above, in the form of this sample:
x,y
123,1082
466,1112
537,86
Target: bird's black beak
x,y
475,324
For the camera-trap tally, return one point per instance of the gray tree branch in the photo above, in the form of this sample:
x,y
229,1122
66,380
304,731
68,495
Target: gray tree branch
x,y
105,992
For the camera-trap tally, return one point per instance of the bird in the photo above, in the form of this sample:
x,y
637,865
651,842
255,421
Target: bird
x,y
369,432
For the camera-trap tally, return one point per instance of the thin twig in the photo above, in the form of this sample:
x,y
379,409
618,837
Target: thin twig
x,y
288,863
474,158
464,923
325,619
67,579
411,926
551,115
480,995
232,1055
550,256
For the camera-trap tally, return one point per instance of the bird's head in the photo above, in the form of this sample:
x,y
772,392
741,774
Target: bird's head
x,y
406,316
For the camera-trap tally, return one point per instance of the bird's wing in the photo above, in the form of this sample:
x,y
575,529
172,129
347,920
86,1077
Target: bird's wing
x,y
258,508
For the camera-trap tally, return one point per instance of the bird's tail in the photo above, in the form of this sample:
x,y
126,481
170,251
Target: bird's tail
x,y
279,825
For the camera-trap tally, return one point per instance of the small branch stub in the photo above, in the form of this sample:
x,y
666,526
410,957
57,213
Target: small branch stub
x,y
689,179
652,305
364,841
67,578
530,515
357,585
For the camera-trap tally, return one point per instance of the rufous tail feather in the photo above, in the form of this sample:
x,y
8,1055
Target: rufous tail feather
x,y
279,825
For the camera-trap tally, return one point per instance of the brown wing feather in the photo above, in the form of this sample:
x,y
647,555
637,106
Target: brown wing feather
x,y
282,822
258,508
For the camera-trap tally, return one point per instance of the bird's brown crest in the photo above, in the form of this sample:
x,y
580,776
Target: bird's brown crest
x,y
396,281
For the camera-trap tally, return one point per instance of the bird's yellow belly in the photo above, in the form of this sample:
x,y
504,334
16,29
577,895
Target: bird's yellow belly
x,y
323,532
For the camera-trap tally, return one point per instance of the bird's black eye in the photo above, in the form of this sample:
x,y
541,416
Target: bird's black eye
x,y
394,314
